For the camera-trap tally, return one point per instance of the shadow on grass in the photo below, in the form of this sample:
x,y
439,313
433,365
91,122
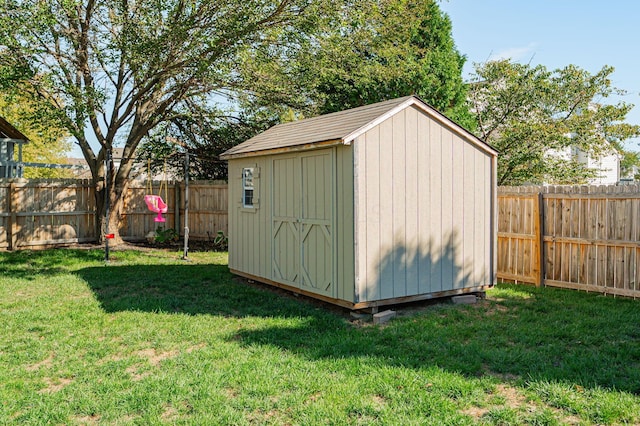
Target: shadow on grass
x,y
190,289
510,340
520,334
27,264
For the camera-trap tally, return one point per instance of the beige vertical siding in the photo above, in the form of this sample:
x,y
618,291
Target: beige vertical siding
x,y
345,261
434,240
422,209
250,242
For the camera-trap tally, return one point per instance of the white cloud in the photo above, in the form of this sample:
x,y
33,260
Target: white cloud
x,y
515,53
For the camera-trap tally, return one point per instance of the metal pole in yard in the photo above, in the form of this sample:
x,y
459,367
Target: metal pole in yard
x,y
185,254
106,206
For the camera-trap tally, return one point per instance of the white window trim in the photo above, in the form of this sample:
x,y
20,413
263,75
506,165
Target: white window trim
x,y
250,187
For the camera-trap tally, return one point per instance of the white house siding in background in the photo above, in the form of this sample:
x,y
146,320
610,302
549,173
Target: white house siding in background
x,y
380,204
607,165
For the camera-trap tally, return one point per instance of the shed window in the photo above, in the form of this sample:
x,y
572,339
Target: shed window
x,y
247,187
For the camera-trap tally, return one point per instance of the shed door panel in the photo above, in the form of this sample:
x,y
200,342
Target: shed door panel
x,y
302,217
316,238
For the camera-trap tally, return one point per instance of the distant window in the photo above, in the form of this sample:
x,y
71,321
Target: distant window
x,y
247,187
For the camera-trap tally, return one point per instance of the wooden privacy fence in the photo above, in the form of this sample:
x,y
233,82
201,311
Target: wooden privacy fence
x,y
42,213
579,237
207,210
39,213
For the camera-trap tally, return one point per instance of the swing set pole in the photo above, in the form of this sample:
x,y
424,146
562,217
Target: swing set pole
x,y
106,206
185,254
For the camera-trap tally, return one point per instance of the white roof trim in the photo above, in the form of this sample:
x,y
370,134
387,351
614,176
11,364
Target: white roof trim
x,y
431,112
370,125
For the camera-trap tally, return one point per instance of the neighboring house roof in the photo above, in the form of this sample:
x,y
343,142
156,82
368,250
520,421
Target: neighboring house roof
x,y
338,128
117,153
138,170
10,132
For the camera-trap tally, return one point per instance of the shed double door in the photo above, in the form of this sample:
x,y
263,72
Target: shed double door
x,y
302,221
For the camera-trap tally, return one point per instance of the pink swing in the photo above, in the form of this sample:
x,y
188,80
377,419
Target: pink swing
x,y
155,203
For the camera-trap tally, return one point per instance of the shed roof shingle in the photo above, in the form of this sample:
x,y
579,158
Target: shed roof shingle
x,y
338,127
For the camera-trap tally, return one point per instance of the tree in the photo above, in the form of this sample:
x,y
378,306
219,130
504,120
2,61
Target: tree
x,y
381,50
347,54
526,112
205,133
48,143
629,163
367,51
114,70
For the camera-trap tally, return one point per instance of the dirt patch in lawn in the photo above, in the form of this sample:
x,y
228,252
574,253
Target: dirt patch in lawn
x,y
55,385
170,413
93,419
475,412
196,347
154,357
47,362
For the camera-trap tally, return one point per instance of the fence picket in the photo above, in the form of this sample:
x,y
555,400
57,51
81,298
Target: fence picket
x,y
590,237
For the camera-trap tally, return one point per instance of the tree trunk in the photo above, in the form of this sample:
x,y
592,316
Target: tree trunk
x,y
115,208
116,192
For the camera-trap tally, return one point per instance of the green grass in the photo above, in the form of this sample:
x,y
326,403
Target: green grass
x,y
150,339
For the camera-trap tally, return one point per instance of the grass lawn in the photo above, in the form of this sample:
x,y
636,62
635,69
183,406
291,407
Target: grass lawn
x,y
150,339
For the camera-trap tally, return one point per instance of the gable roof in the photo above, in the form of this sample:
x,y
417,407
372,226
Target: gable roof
x,y
10,132
338,128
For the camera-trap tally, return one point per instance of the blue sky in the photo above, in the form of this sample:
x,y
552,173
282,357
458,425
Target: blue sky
x,y
589,34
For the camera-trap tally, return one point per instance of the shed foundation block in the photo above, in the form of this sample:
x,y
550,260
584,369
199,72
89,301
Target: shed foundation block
x,y
383,317
465,299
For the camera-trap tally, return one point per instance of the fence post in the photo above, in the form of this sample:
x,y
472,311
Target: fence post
x,y
536,264
540,236
12,229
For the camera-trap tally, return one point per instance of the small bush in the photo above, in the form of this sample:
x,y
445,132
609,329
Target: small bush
x,y
165,236
220,241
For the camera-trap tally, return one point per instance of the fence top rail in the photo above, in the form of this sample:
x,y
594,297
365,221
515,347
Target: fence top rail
x,y
214,183
131,181
599,196
16,183
622,196
571,189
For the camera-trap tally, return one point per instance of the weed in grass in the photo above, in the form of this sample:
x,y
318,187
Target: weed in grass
x,y
502,416
545,417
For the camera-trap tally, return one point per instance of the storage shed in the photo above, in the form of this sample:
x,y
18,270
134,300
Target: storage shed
x,y
381,204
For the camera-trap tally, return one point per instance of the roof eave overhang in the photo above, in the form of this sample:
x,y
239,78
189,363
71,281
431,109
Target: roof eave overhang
x,y
284,149
348,139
